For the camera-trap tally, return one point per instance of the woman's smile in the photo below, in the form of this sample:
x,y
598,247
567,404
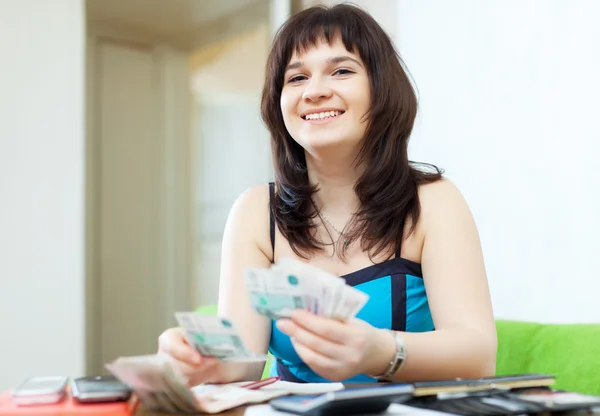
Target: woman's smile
x,y
322,116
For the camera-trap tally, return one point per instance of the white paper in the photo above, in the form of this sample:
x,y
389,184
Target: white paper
x,y
304,388
281,386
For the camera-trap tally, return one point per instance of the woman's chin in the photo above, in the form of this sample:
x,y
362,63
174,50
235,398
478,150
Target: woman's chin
x,y
327,143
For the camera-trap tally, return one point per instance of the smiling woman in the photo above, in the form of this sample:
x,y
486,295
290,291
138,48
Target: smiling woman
x,y
340,109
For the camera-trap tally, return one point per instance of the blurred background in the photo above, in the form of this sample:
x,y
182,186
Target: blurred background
x,y
129,127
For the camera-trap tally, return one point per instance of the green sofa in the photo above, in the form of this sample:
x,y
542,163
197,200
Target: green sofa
x,y
571,352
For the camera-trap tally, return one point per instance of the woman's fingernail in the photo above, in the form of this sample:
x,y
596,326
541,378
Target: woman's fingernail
x,y
298,313
282,325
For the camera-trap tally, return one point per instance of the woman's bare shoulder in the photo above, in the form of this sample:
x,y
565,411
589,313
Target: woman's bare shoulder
x,y
249,218
434,195
442,201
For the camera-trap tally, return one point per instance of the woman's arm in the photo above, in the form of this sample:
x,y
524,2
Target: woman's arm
x,y
246,243
464,341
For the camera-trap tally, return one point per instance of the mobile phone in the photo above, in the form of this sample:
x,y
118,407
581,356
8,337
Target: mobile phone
x,y
348,402
40,390
99,389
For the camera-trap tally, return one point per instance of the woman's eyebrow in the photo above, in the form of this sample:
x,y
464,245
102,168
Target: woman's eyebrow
x,y
332,60
343,58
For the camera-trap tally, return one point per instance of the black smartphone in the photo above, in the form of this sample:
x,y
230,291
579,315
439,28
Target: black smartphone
x,y
99,389
353,401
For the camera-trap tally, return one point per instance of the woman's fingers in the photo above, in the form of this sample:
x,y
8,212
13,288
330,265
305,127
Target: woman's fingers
x,y
333,349
189,362
324,366
173,342
199,373
311,340
324,327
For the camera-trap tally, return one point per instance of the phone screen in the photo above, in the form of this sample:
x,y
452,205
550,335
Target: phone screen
x,y
105,388
99,384
44,384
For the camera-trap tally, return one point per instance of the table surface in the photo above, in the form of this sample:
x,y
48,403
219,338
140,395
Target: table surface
x,y
238,411
241,410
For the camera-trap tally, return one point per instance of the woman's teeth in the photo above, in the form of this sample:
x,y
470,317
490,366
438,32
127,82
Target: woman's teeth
x,y
324,114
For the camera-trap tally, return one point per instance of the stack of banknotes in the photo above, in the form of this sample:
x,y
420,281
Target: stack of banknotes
x,y
156,382
291,284
274,292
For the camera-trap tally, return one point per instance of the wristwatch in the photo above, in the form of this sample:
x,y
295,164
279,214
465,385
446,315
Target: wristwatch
x,y
397,361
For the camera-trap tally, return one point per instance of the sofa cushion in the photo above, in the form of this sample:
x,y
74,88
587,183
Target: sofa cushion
x,y
514,346
571,352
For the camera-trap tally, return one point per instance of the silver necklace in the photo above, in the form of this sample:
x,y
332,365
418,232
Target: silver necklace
x,y
341,233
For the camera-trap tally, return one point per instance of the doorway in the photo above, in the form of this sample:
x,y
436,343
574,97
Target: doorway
x,y
165,123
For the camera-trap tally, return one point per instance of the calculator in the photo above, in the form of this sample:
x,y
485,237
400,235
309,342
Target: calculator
x,y
350,401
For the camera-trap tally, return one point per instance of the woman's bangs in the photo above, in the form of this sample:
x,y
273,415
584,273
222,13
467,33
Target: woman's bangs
x,y
321,27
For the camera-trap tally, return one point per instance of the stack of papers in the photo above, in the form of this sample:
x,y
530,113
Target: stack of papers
x,y
286,387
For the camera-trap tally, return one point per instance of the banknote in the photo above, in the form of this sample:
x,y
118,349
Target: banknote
x,y
275,293
349,302
216,336
320,287
291,284
156,382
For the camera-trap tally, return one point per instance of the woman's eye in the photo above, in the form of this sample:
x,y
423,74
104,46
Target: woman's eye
x,y
343,71
296,78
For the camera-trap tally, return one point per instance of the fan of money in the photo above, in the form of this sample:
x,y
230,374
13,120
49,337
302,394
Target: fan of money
x,y
291,284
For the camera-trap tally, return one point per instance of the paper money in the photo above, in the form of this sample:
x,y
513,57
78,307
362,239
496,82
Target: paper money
x,y
156,382
350,301
291,284
215,336
275,293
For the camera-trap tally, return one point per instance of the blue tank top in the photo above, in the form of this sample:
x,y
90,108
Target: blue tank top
x,y
397,301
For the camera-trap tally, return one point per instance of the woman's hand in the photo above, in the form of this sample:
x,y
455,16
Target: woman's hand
x,y
338,350
197,368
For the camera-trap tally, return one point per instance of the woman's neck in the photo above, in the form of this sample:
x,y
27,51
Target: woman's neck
x,y
335,178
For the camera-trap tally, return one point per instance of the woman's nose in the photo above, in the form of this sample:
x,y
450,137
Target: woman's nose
x,y
316,90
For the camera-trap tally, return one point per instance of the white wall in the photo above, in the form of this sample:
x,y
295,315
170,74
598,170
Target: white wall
x,y
509,100
41,189
384,11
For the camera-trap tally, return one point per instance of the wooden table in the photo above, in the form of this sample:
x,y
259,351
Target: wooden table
x,y
238,411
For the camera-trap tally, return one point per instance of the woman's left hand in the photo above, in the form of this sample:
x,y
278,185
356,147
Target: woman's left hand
x,y
338,350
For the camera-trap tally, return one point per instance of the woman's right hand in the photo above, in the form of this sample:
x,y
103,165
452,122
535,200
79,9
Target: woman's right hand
x,y
193,365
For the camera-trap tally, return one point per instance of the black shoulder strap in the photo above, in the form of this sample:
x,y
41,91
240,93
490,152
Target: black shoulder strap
x,y
399,249
271,217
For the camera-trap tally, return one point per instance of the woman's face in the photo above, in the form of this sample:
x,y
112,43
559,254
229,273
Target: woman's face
x,y
325,96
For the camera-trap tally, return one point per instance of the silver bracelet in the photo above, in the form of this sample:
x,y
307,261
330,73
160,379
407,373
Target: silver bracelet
x,y
399,358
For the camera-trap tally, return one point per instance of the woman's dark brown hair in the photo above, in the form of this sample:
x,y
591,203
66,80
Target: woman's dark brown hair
x,y
388,188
